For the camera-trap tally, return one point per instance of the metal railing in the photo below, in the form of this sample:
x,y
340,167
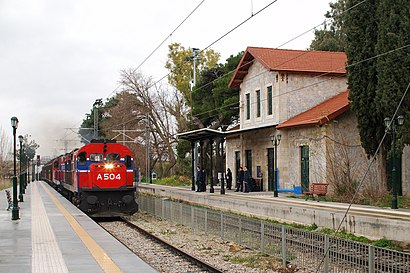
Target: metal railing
x,y
302,248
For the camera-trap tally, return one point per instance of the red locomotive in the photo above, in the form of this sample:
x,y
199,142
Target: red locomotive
x,y
98,178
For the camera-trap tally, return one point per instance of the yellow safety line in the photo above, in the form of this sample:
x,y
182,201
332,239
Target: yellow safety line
x,y
102,258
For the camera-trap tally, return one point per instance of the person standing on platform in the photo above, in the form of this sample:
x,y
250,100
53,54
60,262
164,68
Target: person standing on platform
x,y
229,179
198,179
203,180
247,179
239,182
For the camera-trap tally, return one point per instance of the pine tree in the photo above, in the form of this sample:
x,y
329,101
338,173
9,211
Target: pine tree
x,y
332,36
361,33
393,70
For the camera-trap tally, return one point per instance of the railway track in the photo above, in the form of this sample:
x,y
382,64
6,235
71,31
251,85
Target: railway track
x,y
161,255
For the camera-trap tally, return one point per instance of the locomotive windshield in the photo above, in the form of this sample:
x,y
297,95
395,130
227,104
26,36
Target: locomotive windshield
x,y
113,157
96,157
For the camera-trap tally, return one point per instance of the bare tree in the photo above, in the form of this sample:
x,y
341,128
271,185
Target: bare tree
x,y
164,109
123,121
5,155
347,166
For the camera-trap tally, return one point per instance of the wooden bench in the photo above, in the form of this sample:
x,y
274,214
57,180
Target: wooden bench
x,y
9,200
319,189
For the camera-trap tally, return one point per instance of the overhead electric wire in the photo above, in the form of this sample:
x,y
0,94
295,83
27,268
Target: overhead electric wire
x,y
328,19
230,72
293,90
172,32
318,76
292,39
217,40
224,35
220,38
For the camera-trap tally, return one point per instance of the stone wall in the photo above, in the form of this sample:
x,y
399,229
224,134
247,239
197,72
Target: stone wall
x,y
292,94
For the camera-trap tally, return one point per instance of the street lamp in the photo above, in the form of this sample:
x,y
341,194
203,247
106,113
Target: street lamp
x,y
27,172
15,208
275,142
21,199
391,128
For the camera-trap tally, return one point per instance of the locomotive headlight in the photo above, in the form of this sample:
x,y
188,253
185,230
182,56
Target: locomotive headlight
x,y
109,166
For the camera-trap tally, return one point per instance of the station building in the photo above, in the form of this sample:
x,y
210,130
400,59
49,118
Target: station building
x,y
301,98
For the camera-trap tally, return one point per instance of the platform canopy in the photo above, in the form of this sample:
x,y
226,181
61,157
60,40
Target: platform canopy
x,y
201,134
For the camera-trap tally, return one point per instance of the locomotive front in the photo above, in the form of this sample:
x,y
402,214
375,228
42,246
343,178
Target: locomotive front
x,y
105,180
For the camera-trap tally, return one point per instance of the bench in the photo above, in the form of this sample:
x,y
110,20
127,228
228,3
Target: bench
x,y
9,200
319,189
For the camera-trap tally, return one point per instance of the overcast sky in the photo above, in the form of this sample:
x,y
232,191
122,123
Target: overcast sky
x,y
58,56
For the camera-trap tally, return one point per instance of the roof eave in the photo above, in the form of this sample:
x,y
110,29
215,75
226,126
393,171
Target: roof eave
x,y
319,122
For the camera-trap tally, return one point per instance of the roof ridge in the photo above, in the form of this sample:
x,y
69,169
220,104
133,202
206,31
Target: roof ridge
x,y
298,50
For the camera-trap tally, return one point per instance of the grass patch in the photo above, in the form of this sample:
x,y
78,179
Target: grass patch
x,y
385,201
382,201
345,235
361,239
259,261
173,181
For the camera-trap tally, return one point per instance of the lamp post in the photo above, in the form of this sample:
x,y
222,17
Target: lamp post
x,y
391,128
15,208
27,179
21,175
275,142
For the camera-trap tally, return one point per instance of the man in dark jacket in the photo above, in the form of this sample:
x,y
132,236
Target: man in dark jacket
x,y
239,181
198,179
229,179
203,180
247,179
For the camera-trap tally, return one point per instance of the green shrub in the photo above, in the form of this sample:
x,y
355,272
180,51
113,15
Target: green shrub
x,y
173,181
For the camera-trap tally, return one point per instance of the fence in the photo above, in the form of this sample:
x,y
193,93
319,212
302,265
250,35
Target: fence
x,y
302,248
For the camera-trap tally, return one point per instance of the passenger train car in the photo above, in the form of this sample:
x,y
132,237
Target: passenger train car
x,y
98,178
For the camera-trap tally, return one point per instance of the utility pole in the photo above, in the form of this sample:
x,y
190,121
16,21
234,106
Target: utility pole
x,y
147,145
194,58
96,105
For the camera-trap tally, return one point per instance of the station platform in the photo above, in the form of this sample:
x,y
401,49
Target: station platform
x,y
371,222
52,235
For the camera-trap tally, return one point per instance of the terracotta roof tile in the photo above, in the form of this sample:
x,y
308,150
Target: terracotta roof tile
x,y
302,61
321,113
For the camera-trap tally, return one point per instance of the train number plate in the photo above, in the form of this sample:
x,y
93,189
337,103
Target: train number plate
x,y
108,176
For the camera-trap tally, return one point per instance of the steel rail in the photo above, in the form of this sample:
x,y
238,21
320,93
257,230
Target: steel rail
x,y
206,266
